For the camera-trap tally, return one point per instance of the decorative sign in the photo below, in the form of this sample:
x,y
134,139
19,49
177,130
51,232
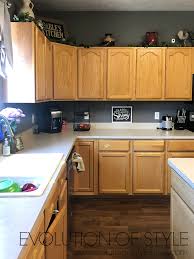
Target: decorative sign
x,y
122,114
53,31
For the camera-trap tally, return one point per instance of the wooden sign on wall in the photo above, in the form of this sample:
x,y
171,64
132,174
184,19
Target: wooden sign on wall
x,y
53,31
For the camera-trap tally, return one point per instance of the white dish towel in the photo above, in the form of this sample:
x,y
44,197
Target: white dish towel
x,y
78,160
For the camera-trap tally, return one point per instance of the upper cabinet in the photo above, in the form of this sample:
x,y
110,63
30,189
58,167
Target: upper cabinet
x,y
121,73
91,73
179,73
65,72
49,71
150,73
27,81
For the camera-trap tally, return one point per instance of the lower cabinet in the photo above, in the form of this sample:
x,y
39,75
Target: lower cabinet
x,y
85,182
114,172
148,172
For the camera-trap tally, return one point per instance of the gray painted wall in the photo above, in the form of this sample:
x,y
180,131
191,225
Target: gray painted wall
x,y
127,27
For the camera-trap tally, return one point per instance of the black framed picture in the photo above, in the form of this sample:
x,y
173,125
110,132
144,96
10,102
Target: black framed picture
x,y
122,114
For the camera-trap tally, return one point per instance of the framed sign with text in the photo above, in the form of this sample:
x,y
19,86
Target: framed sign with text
x,y
122,114
54,31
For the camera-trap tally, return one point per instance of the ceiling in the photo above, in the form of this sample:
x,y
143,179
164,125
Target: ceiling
x,y
115,5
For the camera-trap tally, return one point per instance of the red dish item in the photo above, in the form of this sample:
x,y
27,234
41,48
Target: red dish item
x,y
29,187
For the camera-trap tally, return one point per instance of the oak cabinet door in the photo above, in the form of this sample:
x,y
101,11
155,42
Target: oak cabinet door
x,y
84,181
91,73
148,172
65,72
40,66
176,155
178,73
121,73
49,71
56,239
114,170
150,74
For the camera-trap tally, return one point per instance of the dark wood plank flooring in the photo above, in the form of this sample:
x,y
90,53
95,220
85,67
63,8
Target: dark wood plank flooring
x,y
120,228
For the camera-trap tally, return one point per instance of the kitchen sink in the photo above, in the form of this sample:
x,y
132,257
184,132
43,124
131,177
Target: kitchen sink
x,y
40,182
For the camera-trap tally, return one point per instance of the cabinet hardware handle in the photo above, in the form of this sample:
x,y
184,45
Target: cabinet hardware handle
x,y
55,212
107,145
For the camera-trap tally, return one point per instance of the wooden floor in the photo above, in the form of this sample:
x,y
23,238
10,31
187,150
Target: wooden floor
x,y
120,228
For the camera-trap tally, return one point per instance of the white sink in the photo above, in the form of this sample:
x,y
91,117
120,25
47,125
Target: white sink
x,y
40,182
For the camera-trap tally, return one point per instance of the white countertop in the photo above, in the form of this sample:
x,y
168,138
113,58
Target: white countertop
x,y
19,214
184,167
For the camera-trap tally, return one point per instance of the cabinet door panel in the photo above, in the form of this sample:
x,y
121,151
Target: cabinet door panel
x,y
121,73
49,71
148,173
178,73
114,169
91,73
176,155
84,181
150,73
65,72
40,66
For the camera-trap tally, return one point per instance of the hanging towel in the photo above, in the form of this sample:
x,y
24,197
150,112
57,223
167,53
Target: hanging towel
x,y
78,160
6,52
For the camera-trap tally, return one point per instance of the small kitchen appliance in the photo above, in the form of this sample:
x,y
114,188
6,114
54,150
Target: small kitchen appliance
x,y
190,125
51,121
181,120
167,122
81,121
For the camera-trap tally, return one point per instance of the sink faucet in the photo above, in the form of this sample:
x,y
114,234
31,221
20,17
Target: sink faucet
x,y
10,134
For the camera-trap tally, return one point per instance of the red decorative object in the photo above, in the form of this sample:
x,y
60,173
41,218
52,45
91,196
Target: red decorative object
x,y
151,38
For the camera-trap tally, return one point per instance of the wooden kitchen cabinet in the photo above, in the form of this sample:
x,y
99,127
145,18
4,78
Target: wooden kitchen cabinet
x,y
121,73
150,73
65,72
85,183
26,83
114,172
92,73
178,73
49,71
148,172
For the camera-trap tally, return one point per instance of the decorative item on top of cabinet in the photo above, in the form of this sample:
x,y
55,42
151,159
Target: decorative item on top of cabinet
x,y
178,74
26,82
114,167
65,72
150,74
85,183
121,73
148,167
92,73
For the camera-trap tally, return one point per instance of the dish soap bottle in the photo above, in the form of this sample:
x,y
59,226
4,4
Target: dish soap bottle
x,y
6,148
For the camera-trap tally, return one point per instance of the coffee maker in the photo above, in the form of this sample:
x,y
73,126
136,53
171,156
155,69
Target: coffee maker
x,y
190,125
181,119
50,121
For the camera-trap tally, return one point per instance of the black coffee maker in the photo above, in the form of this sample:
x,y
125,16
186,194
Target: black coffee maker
x,y
190,125
181,119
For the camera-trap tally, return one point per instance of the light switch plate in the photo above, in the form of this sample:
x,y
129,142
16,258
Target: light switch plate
x,y
157,116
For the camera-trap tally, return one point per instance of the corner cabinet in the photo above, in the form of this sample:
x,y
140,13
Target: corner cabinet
x,y
150,73
85,183
179,73
65,72
27,81
92,73
121,73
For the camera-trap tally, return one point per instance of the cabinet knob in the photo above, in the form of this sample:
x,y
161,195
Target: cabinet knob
x,y
106,145
55,212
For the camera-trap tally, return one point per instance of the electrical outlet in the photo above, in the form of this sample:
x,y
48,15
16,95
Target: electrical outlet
x,y
157,116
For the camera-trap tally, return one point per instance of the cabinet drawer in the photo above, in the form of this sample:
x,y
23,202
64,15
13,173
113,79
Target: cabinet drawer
x,y
180,145
114,145
51,205
148,145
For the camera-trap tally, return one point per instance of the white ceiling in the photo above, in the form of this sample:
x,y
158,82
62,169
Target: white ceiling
x,y
115,5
